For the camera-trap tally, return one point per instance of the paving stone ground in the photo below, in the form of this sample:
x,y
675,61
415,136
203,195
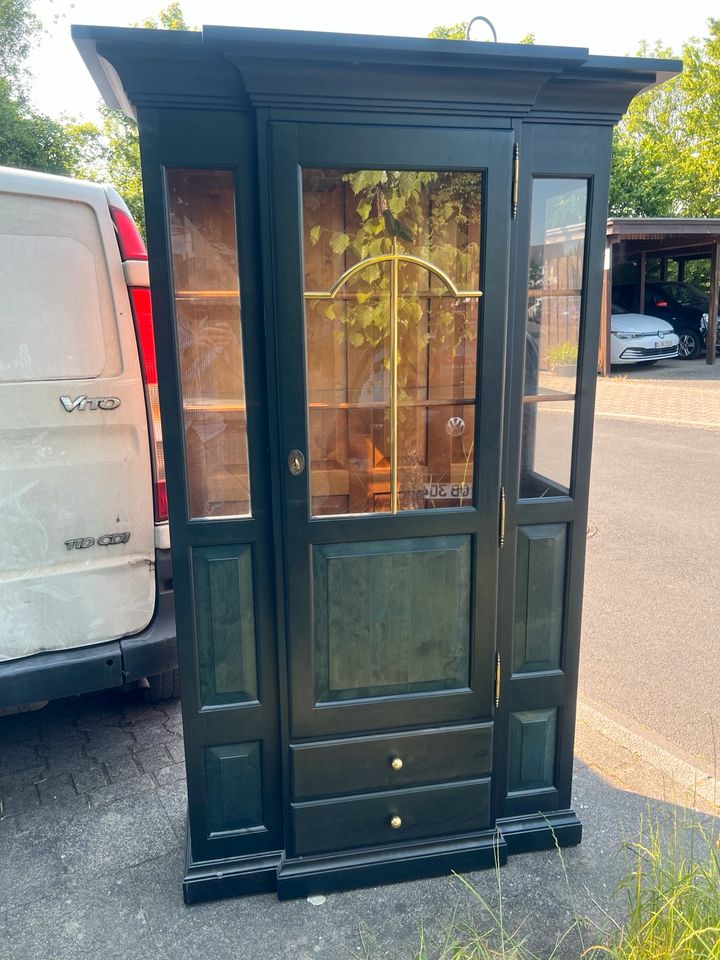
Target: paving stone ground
x,y
79,755
92,834
689,404
686,393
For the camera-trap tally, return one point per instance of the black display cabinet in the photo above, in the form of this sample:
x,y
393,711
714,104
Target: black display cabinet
x,y
376,269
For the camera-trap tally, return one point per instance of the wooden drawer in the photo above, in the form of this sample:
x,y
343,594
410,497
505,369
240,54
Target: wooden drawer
x,y
360,764
367,821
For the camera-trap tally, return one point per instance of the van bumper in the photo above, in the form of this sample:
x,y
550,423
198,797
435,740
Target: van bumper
x,y
68,673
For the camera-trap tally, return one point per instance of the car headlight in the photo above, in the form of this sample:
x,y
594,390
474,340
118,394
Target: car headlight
x,y
630,336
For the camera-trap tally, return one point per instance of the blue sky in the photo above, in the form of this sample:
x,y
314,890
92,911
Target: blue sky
x,y
62,84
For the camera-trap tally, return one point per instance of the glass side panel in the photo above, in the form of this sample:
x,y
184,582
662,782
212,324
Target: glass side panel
x,y
203,239
555,282
391,281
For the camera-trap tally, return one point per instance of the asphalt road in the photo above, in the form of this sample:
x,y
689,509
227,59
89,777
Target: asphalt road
x,y
651,644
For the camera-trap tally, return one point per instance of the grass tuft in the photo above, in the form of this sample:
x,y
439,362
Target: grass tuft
x,y
671,909
672,891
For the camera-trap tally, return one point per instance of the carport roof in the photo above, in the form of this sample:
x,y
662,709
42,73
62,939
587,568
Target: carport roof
x,y
661,228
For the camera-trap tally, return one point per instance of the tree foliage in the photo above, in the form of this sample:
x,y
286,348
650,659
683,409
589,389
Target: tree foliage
x,y
458,31
122,161
19,28
454,32
666,160
170,18
30,140
122,157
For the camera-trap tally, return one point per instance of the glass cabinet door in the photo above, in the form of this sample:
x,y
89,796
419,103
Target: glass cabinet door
x,y
391,289
391,325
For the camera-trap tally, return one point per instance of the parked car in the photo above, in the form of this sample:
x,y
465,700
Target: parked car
x,y
86,598
680,304
637,338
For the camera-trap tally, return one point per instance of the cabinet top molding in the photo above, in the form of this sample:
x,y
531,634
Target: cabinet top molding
x,y
237,68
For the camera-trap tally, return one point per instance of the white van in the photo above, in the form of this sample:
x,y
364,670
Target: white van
x,y
85,577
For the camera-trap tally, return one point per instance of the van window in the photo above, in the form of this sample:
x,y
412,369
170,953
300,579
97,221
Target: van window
x,y
52,279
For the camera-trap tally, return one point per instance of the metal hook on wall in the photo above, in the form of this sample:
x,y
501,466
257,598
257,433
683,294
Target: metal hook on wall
x,y
484,20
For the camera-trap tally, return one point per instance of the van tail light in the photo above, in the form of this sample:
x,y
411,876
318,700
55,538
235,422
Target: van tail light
x,y
132,245
661,303
142,312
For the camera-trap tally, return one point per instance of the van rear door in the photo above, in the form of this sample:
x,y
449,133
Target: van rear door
x,y
76,510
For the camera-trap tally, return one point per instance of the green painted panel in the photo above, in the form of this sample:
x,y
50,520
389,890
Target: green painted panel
x,y
391,617
539,597
225,624
233,775
532,749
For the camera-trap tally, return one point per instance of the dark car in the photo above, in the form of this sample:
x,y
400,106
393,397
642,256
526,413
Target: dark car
x,y
682,305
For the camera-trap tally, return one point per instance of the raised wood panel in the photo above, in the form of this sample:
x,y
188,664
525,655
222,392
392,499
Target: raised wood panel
x,y
391,617
233,774
225,624
532,749
539,597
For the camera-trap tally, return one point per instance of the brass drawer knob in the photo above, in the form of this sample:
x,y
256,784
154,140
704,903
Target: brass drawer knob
x,y
396,763
395,822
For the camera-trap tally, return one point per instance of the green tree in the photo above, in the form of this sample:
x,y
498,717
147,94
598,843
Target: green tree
x,y
122,160
666,156
170,18
19,28
454,32
458,31
30,139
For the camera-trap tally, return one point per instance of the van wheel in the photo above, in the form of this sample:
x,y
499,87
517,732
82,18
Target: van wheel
x,y
163,686
690,344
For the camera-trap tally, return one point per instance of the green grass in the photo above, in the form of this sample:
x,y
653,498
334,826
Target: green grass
x,y
669,904
673,897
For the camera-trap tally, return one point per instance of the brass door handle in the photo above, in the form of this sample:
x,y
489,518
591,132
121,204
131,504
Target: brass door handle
x,y
396,763
395,822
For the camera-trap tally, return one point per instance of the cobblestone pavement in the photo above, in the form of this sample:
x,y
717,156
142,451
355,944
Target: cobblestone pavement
x,y
687,394
687,403
78,755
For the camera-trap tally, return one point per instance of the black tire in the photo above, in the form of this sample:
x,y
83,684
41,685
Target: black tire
x,y
690,344
163,686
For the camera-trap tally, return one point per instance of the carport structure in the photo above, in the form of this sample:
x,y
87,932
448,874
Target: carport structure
x,y
668,245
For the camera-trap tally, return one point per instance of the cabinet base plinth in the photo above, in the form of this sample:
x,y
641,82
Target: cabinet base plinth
x,y
302,877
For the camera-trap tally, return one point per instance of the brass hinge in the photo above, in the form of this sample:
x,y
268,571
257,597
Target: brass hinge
x,y
501,531
497,679
515,180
